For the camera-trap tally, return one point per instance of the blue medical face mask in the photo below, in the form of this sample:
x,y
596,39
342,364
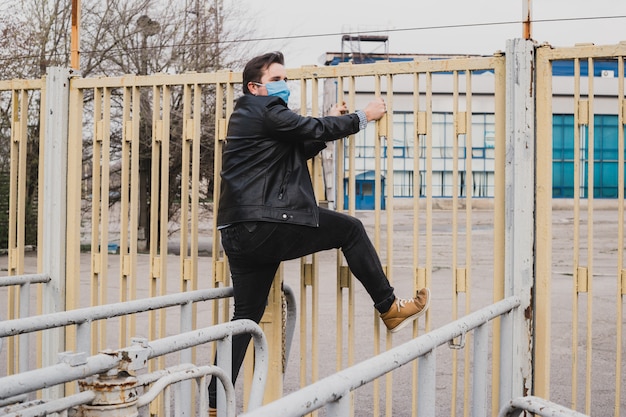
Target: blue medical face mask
x,y
278,89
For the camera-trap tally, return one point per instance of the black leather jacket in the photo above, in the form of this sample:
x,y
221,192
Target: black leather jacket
x,y
264,170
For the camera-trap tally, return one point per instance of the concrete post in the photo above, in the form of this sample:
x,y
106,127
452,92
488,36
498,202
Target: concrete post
x,y
516,377
56,110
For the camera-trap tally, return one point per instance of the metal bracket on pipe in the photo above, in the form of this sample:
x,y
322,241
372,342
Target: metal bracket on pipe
x,y
134,357
460,345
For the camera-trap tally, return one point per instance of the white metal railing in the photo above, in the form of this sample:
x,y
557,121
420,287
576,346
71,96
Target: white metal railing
x,y
83,317
23,280
105,380
537,406
333,392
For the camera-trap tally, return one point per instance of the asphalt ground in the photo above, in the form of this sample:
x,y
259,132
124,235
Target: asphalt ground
x,y
603,306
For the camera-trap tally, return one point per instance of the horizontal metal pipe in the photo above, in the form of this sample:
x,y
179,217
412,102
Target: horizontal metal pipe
x,y
24,279
333,387
14,400
147,379
537,406
193,338
55,406
84,315
50,376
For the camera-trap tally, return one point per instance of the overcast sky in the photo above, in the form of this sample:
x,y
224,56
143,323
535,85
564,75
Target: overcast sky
x,y
305,30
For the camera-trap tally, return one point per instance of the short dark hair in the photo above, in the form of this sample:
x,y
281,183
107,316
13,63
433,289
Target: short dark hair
x,y
253,70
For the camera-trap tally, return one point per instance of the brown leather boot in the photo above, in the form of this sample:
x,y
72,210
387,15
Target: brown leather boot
x,y
404,311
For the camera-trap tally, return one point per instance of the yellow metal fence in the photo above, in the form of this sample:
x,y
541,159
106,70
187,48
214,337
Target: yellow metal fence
x,y
580,272
455,245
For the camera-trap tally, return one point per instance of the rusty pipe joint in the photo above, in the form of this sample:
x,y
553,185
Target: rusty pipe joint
x,y
115,395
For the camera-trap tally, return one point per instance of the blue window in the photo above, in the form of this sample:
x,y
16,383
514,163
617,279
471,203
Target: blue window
x,y
605,157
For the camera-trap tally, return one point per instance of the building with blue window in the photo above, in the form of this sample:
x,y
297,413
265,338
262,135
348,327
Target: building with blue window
x,y
406,153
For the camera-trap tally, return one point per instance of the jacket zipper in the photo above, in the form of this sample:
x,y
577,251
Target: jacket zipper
x,y
281,192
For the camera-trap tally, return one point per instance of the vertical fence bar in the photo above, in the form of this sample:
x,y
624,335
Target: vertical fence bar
x,y
580,119
191,270
104,215
13,246
99,228
96,192
378,195
157,252
419,129
218,258
388,194
467,269
129,207
344,271
185,194
224,92
313,271
351,209
17,203
428,270
620,273
40,213
73,214
543,223
340,283
455,231
351,151
22,147
498,219
590,238
425,398
230,103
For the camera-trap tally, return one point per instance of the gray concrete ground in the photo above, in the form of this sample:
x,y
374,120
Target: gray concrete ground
x,y
603,306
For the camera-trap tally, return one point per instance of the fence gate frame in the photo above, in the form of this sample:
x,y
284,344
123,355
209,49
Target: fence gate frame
x,y
583,248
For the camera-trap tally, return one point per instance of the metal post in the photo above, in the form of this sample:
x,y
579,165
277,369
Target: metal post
x,y
24,339
185,388
116,395
54,210
481,364
527,15
225,362
519,213
75,37
426,395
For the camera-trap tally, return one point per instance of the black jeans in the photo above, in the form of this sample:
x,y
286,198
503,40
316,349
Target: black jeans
x,y
255,250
